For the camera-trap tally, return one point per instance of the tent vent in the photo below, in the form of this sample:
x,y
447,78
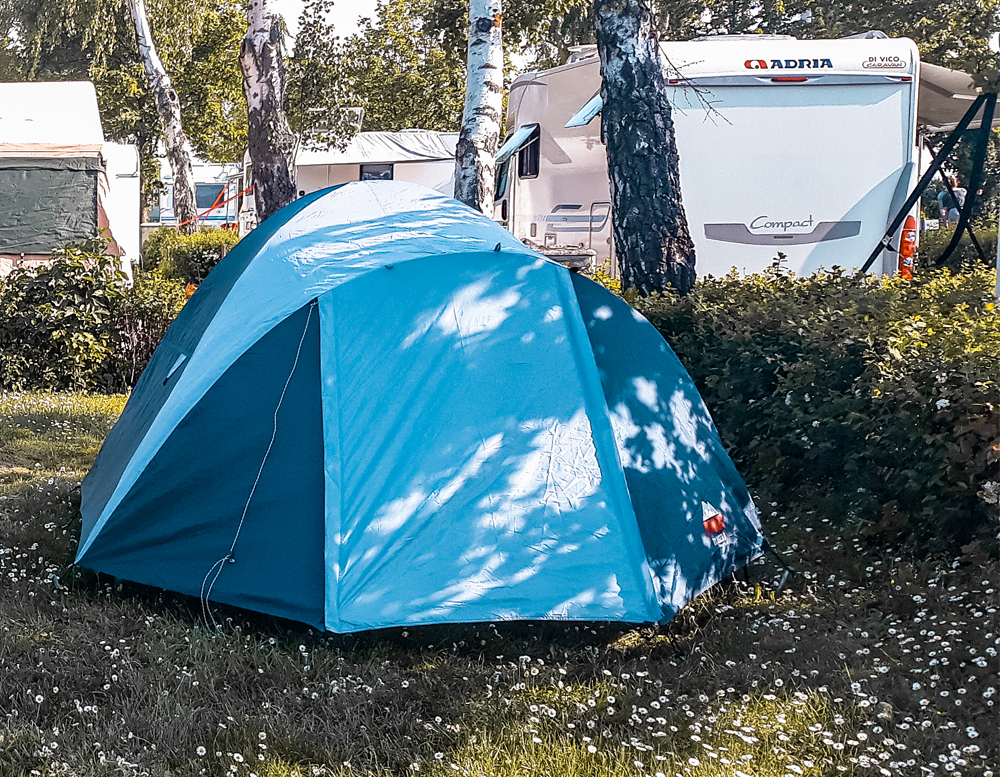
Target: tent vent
x,y
180,360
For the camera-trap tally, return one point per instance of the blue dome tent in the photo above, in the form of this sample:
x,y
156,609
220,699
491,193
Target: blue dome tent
x,y
381,409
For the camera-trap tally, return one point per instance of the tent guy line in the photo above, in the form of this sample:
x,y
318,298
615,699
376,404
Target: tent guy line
x,y
206,595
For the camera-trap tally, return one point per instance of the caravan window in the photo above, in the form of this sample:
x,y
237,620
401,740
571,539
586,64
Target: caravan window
x,y
528,156
376,173
502,174
206,194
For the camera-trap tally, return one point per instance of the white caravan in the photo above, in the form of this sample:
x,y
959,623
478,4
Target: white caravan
x,y
217,190
418,156
60,181
803,147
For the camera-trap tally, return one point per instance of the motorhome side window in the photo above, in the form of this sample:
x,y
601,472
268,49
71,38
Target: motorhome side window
x,y
376,173
502,174
207,194
528,156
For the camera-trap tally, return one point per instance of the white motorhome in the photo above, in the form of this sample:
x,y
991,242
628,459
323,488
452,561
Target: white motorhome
x,y
217,195
803,147
418,156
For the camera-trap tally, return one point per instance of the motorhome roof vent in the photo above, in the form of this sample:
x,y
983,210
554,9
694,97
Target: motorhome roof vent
x,y
866,35
744,37
578,53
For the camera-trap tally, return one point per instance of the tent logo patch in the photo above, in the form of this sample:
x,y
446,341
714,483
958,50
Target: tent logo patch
x,y
715,525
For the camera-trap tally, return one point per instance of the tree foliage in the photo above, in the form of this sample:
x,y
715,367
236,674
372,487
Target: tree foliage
x,y
545,31
953,34
211,86
314,99
395,68
94,40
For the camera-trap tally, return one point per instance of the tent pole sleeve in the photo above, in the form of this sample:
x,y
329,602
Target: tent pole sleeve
x,y
975,180
924,180
968,227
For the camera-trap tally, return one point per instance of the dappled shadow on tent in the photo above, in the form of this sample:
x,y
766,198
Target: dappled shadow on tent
x,y
444,451
468,476
670,450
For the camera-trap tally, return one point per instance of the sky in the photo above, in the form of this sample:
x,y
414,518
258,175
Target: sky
x,y
345,13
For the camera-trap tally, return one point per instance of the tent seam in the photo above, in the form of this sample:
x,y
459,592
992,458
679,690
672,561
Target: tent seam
x,y
340,468
589,370
207,593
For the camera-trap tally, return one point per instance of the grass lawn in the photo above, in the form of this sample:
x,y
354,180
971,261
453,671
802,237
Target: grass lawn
x,y
863,665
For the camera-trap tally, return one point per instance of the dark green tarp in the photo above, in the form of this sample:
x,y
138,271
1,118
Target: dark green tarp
x,y
46,203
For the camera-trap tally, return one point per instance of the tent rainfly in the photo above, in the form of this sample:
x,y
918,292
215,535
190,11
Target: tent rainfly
x,y
381,409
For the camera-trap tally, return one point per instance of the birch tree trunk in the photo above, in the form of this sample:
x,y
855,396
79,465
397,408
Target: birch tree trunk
x,y
270,139
168,106
480,134
652,240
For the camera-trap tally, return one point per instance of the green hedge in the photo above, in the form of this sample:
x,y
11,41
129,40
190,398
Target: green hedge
x,y
139,321
77,323
173,254
934,241
873,397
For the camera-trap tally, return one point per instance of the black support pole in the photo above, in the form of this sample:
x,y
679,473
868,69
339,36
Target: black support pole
x,y
975,181
968,227
946,149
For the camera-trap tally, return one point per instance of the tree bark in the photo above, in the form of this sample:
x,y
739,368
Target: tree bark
x,y
168,106
652,240
269,138
480,133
